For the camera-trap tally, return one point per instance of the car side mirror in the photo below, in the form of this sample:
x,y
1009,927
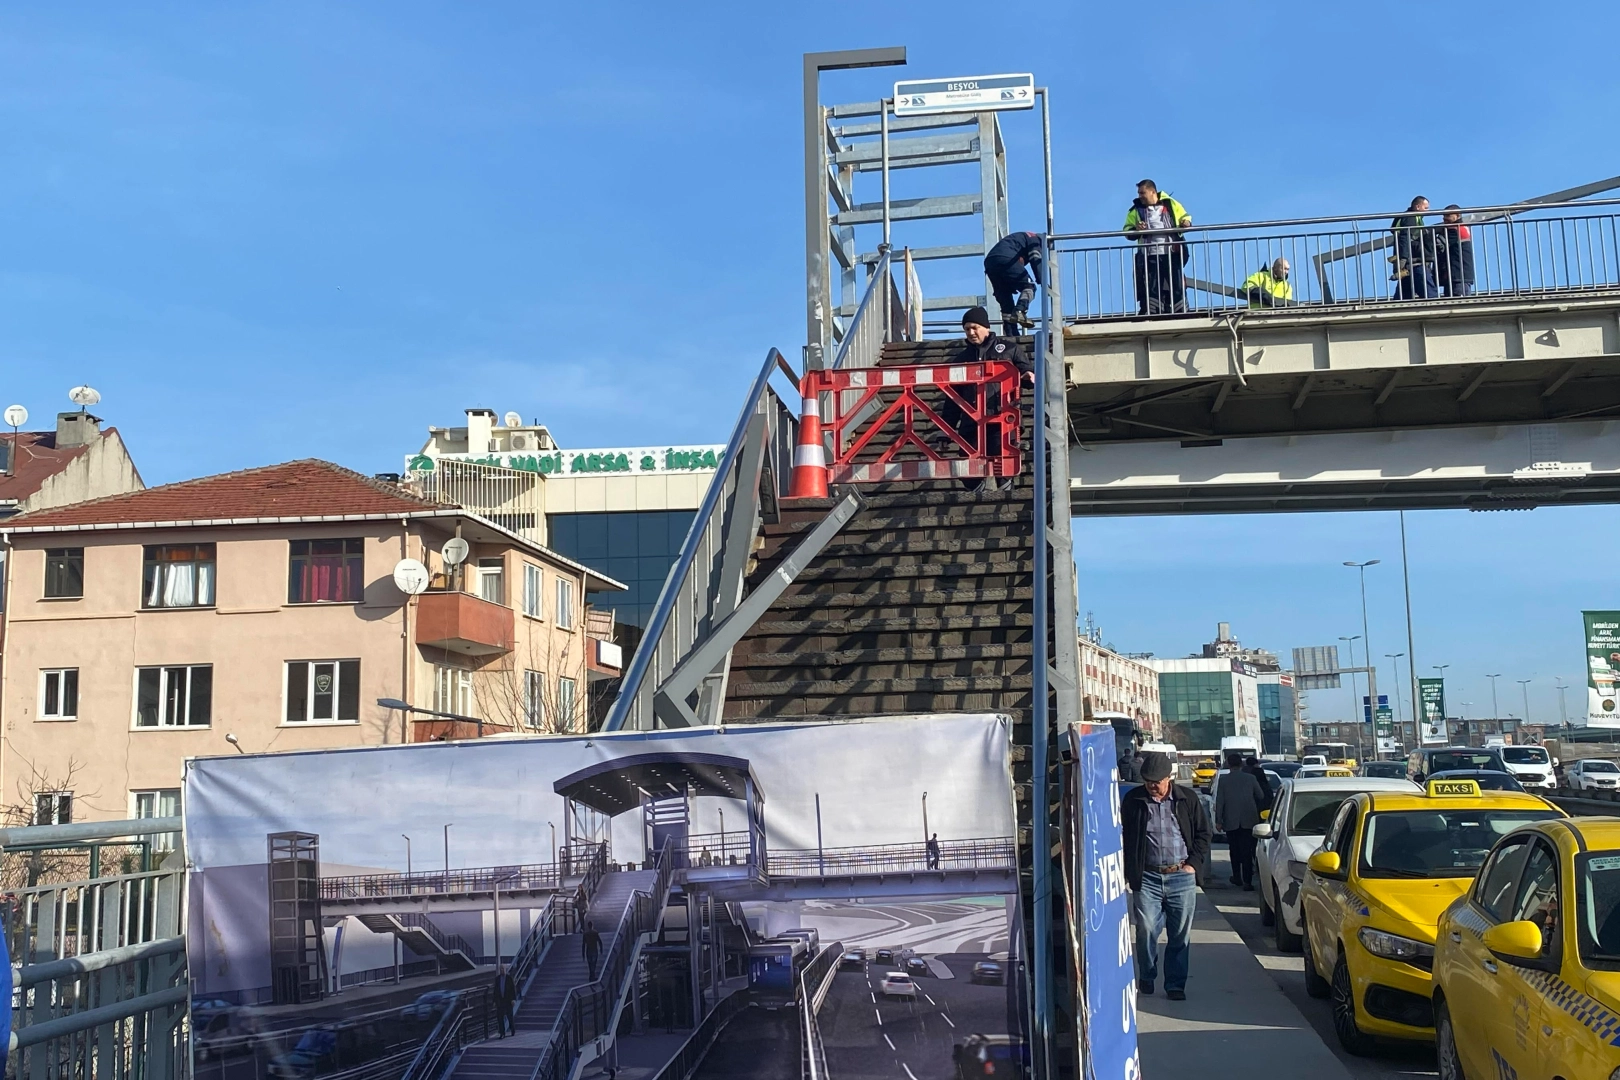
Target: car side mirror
x,y
1514,941
1326,863
1263,832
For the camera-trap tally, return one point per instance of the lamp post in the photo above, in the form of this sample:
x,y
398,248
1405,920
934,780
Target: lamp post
x,y
553,825
1524,688
1496,710
407,707
447,854
1366,635
407,855
1400,714
925,817
1563,711
1355,698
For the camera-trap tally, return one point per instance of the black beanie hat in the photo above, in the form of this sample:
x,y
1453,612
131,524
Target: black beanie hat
x,y
976,316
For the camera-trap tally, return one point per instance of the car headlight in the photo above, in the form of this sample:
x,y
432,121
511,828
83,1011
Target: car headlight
x,y
1393,946
1296,869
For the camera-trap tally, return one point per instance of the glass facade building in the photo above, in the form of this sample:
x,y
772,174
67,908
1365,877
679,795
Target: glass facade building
x,y
636,547
1197,708
1278,710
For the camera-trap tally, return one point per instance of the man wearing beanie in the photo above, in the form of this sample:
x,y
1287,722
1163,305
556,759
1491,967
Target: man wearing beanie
x,y
1167,837
981,344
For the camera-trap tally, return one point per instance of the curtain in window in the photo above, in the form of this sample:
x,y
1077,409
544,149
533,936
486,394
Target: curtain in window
x,y
181,584
327,577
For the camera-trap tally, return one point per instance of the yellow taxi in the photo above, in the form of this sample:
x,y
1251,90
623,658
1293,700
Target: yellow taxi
x,y
1205,771
1391,864
1527,963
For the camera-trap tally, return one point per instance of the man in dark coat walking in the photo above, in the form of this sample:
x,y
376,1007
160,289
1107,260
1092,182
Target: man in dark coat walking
x,y
591,941
505,1001
1166,834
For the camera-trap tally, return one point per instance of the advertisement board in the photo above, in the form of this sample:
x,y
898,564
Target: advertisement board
x,y
1432,708
1602,667
1103,913
360,906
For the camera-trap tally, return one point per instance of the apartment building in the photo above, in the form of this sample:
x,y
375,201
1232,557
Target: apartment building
x,y
259,610
1113,683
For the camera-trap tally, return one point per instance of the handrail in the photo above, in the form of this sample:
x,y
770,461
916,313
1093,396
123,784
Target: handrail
x,y
857,329
38,835
412,920
675,585
696,1047
820,971
1504,209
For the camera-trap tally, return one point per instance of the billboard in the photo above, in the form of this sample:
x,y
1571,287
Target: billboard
x,y
1432,708
1602,664
1317,667
362,907
1103,912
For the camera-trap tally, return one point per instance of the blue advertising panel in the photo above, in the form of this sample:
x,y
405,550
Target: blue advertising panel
x,y
1104,915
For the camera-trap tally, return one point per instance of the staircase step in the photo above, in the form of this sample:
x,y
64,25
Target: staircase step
x,y
950,684
907,601
943,655
904,624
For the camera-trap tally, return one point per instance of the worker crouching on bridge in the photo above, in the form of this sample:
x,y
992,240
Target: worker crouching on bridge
x,y
981,344
1269,287
1155,221
1167,836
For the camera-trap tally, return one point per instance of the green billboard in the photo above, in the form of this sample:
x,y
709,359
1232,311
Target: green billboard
x,y
1432,709
1602,666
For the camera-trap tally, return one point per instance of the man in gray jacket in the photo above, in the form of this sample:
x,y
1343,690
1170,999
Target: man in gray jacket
x,y
1238,802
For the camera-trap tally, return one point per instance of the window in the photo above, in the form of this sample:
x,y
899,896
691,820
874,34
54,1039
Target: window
x,y
492,580
565,603
1499,882
174,696
534,698
64,573
565,704
178,575
53,808
452,691
323,691
164,802
326,571
533,598
59,694
1539,898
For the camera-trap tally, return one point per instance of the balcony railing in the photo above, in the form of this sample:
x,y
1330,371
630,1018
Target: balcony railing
x,y
463,623
1337,263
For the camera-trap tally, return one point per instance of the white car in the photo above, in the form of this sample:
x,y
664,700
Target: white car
x,y
1593,774
1298,824
1314,759
1530,765
897,984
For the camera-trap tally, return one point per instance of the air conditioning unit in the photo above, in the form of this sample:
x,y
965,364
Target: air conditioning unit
x,y
522,441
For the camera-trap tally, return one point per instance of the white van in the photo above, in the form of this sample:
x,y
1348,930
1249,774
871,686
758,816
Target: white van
x,y
1246,745
1530,765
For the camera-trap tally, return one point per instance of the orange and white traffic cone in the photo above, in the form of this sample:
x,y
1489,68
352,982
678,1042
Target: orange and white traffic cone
x,y
809,455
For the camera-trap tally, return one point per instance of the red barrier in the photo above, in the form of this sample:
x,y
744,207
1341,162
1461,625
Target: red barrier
x,y
929,422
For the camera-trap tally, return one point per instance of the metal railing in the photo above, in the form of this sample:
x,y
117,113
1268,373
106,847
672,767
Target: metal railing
x,y
469,1020
814,982
510,498
447,943
686,1060
481,879
884,316
1516,251
590,1006
730,848
989,853
706,583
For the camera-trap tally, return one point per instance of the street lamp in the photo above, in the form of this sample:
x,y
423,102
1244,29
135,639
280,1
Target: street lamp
x,y
553,825
925,817
406,707
1366,635
447,853
1524,688
1355,698
1563,710
1400,715
1496,710
407,855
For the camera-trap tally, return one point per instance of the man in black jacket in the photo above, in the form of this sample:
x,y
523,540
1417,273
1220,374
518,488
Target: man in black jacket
x,y
1010,282
982,344
1166,834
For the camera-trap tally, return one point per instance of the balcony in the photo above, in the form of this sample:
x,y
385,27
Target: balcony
x,y
462,623
603,658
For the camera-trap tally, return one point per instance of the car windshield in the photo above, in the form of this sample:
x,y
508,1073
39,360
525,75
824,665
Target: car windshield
x,y
1393,769
896,977
1599,766
1437,843
1456,760
1524,755
1311,812
1597,883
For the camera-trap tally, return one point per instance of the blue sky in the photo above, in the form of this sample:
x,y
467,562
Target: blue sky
x,y
277,231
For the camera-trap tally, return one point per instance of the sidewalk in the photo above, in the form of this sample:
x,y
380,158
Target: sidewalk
x,y
1236,1022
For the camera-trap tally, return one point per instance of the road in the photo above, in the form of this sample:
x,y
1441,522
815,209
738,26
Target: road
x,y
759,1044
1242,910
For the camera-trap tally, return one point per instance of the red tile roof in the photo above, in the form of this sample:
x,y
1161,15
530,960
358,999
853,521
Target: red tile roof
x,y
38,460
297,489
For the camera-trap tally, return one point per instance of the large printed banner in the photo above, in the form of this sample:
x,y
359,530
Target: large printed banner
x,y
1103,912
348,907
1602,667
1432,698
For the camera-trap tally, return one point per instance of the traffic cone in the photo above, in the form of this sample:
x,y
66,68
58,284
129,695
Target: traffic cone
x,y
809,455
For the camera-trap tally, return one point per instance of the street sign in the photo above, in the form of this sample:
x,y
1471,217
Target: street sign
x,y
974,93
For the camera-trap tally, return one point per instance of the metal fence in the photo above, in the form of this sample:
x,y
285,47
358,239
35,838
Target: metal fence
x,y
1347,262
990,853
814,982
686,1060
509,497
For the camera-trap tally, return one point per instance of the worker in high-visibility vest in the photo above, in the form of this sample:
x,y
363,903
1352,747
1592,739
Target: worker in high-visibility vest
x,y
1269,287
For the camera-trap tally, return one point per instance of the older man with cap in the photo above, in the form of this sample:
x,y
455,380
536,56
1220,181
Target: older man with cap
x,y
1167,837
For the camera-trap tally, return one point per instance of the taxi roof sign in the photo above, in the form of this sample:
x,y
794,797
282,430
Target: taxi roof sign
x,y
1453,789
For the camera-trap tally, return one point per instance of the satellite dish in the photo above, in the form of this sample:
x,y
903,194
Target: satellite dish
x,y
455,551
411,577
513,419
84,396
16,415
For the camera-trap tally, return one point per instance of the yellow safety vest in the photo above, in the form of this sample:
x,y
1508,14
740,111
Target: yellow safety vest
x,y
1262,280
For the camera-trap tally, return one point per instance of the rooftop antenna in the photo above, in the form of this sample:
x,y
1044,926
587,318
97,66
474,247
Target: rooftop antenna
x,y
16,416
84,397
